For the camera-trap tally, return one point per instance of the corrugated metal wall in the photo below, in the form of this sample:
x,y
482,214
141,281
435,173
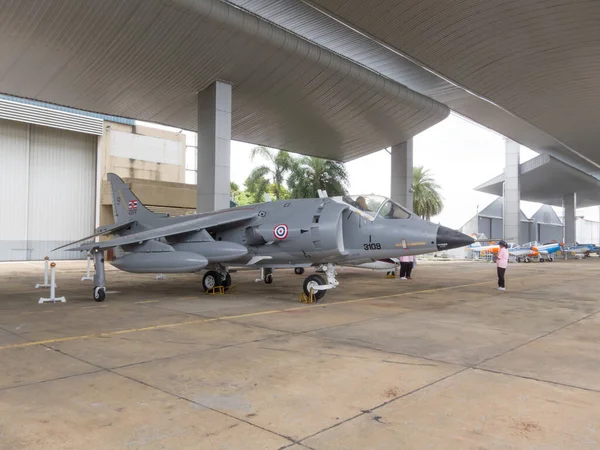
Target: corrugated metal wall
x,y
525,232
61,190
587,231
548,233
497,229
47,196
13,190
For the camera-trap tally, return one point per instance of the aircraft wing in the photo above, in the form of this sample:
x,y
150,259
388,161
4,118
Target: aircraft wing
x,y
100,231
197,224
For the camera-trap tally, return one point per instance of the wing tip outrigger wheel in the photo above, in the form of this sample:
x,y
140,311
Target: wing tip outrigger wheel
x,y
99,293
99,275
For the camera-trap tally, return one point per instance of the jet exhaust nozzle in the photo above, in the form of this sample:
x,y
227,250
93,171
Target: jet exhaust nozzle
x,y
447,239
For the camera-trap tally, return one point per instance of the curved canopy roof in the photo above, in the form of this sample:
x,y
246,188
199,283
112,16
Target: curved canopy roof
x,y
148,59
525,68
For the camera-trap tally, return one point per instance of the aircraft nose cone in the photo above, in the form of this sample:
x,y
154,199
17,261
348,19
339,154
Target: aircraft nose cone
x,y
447,238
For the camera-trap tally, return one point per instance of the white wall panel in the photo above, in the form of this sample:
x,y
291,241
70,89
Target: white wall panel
x,y
61,190
13,190
148,148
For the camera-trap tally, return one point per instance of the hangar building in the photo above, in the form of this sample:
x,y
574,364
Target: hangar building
x,y
43,145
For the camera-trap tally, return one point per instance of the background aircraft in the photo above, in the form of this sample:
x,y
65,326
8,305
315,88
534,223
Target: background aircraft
x,y
285,233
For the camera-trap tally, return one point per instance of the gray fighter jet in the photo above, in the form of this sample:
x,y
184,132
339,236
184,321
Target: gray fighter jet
x,y
321,232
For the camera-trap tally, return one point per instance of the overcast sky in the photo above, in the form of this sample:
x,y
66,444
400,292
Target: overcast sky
x,y
459,154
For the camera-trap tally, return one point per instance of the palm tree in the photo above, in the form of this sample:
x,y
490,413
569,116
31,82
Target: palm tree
x,y
261,177
427,201
309,174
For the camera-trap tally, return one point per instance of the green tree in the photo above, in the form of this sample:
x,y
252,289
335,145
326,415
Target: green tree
x,y
427,201
242,198
257,184
272,173
308,174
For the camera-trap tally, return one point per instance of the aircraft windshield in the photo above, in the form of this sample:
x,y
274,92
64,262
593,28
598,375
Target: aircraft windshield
x,y
376,205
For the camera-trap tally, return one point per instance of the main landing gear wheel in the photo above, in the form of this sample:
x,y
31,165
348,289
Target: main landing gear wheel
x,y
227,281
268,278
211,280
313,281
99,293
527,260
550,259
299,270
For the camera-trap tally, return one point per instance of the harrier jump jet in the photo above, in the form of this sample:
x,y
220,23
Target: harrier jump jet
x,y
286,233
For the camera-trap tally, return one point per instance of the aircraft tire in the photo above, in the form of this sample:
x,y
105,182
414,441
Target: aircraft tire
x,y
211,279
299,270
518,259
310,281
268,278
227,281
527,260
542,260
99,294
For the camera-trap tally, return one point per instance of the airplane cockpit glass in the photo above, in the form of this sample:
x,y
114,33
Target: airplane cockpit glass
x,y
376,205
391,210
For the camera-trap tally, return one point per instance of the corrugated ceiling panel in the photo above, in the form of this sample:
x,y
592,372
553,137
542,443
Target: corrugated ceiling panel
x,y
22,112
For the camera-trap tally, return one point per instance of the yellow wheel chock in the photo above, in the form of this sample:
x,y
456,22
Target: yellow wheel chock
x,y
216,290
220,290
310,298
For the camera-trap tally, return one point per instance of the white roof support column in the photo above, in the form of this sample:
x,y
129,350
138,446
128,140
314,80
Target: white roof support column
x,y
570,206
512,193
402,174
214,147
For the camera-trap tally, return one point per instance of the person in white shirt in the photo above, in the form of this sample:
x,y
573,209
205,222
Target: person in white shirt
x,y
502,264
406,263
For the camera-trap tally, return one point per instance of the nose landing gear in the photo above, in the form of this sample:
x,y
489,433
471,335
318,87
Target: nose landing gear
x,y
318,285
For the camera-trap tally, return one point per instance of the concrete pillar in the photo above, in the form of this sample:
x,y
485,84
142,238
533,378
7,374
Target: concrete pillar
x,y
570,205
512,193
214,147
402,174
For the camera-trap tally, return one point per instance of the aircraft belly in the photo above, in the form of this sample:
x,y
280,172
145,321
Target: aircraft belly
x,y
214,251
161,262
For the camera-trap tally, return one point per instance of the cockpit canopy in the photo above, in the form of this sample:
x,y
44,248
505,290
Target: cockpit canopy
x,y
375,206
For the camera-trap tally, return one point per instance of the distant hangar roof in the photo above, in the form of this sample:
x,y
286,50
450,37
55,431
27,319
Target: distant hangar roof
x,y
545,179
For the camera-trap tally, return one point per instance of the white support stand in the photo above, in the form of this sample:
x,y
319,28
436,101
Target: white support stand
x,y
87,274
52,298
45,285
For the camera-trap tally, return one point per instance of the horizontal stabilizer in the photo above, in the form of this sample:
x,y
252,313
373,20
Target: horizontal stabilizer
x,y
100,231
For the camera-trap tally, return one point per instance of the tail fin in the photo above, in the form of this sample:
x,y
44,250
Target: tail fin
x,y
126,206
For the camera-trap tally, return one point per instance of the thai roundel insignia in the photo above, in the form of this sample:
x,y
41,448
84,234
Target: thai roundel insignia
x,y
280,231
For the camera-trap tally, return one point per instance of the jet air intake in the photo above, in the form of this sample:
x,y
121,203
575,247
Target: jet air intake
x,y
447,239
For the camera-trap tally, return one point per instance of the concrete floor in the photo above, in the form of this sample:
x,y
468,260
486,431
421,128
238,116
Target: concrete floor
x,y
440,362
